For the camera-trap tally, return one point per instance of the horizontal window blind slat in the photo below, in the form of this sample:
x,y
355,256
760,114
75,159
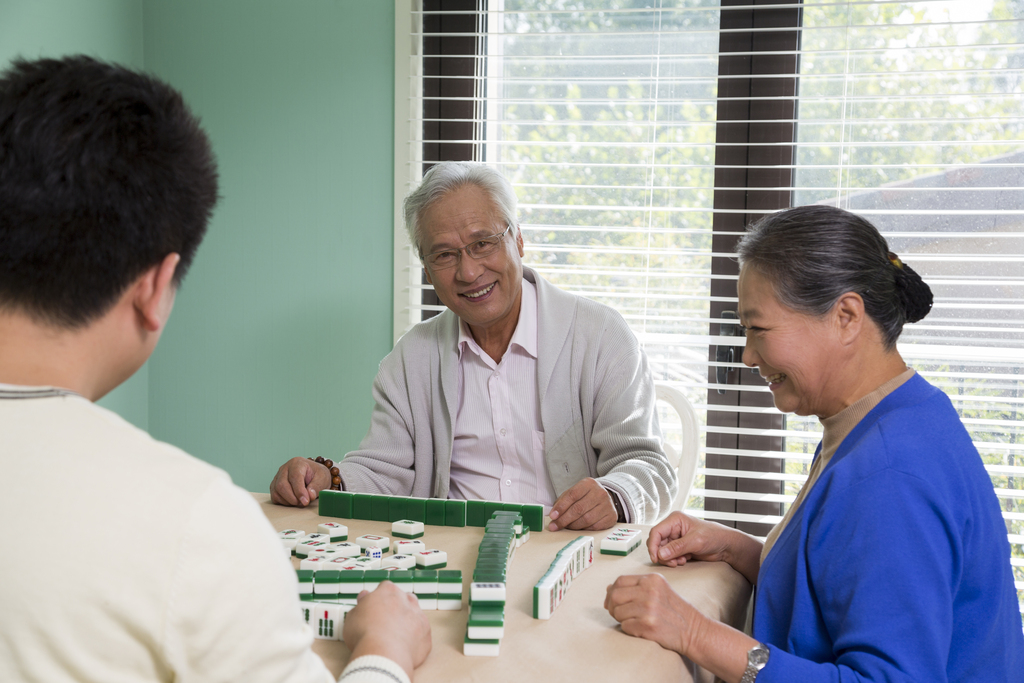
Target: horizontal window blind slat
x,y
747,474
717,516
742,495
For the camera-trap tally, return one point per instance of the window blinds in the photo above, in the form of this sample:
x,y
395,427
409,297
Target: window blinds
x,y
606,115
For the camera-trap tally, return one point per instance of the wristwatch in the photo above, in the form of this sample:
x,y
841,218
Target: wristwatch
x,y
757,657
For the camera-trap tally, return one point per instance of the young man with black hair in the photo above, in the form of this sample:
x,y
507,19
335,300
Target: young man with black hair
x,y
133,566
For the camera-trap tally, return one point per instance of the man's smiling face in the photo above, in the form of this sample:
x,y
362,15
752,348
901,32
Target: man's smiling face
x,y
484,292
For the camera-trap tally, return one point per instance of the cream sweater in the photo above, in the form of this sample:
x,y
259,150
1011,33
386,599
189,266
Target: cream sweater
x,y
128,560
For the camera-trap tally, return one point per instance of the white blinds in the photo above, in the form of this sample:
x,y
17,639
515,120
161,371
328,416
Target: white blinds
x,y
604,114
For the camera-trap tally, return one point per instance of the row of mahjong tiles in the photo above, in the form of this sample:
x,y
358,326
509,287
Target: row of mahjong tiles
x,y
360,566
433,511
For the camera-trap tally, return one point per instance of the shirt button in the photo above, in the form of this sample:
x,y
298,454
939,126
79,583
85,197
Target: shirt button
x,y
508,482
502,432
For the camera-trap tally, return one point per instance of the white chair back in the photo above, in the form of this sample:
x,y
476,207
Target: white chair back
x,y
685,461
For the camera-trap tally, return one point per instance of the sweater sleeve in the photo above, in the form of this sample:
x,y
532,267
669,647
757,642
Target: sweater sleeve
x,y
626,437
373,669
883,554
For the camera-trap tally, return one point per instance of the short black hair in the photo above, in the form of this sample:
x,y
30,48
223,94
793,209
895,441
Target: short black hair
x,y
815,254
104,171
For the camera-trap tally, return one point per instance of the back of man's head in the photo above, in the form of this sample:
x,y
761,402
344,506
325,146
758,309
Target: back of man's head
x,y
103,173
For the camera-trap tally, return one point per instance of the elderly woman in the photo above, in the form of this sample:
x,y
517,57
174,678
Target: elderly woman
x,y
892,563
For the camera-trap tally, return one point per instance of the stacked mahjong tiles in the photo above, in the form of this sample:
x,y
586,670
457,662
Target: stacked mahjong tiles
x,y
433,511
503,533
570,561
621,541
331,575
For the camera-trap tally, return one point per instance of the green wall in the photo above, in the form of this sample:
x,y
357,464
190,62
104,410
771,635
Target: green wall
x,y
280,324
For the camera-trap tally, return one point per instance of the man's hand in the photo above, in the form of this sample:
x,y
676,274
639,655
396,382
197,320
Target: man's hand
x,y
647,607
587,505
299,482
388,622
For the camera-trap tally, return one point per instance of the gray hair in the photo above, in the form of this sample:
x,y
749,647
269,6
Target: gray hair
x,y
813,255
448,176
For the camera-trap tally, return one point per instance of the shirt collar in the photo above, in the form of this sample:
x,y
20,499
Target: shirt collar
x,y
17,391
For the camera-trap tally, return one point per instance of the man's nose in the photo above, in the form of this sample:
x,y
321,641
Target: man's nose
x,y
469,268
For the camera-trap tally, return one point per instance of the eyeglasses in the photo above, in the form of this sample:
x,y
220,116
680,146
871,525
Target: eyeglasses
x,y
449,258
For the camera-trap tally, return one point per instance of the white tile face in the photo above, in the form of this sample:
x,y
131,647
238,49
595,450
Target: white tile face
x,y
365,563
325,588
315,563
399,562
480,649
431,558
486,592
427,602
326,620
407,526
449,605
408,547
347,563
372,541
485,632
333,529
622,540
291,534
425,586
305,546
348,549
317,537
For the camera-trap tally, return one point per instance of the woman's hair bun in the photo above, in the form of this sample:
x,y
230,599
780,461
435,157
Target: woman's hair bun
x,y
914,293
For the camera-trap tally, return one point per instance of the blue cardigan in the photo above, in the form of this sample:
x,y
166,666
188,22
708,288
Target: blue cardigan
x,y
896,566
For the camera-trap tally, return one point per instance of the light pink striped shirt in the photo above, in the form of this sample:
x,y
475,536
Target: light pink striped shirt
x,y
499,440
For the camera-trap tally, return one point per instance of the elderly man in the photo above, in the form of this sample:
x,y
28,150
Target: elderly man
x,y
518,392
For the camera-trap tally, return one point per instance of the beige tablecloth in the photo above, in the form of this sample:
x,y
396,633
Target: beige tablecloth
x,y
581,641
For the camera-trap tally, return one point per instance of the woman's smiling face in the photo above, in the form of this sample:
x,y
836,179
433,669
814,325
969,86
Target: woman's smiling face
x,y
795,352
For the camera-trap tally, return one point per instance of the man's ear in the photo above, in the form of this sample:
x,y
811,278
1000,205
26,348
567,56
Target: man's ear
x,y
154,291
426,275
849,316
519,241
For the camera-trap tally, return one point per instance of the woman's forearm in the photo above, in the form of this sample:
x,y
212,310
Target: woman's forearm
x,y
718,648
743,553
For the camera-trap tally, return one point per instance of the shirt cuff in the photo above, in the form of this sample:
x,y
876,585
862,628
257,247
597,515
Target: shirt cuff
x,y
373,669
623,505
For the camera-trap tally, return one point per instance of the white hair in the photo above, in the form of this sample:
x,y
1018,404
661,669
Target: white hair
x,y
448,176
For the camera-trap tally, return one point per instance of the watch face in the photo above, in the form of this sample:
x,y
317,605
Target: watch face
x,y
758,656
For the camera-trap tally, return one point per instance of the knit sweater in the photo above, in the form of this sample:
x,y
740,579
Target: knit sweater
x,y
129,560
596,403
896,565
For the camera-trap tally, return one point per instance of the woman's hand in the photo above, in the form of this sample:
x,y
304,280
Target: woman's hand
x,y
680,538
647,607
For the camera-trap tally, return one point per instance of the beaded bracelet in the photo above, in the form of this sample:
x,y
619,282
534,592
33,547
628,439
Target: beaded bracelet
x,y
335,474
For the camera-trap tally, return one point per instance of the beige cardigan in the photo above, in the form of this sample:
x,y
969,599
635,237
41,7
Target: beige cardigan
x,y
596,404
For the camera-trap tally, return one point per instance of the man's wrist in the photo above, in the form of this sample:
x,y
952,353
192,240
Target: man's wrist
x,y
620,511
333,474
